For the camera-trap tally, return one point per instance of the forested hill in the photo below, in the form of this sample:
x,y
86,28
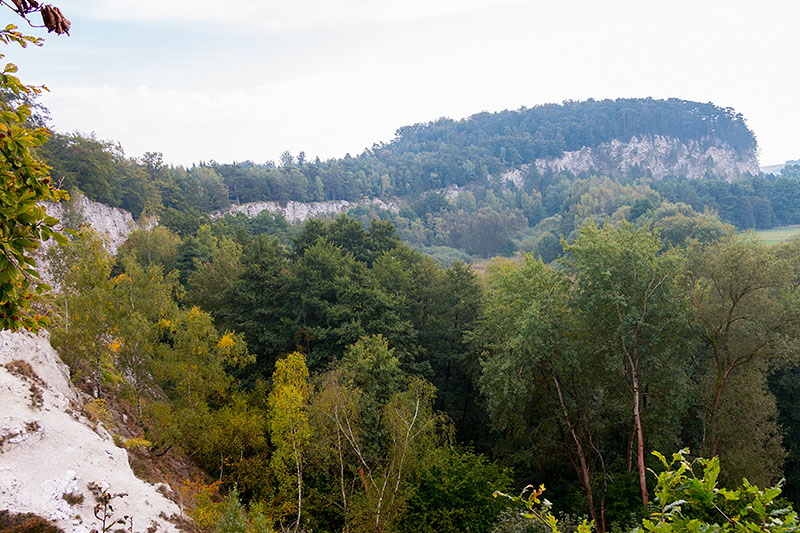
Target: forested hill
x,y
672,138
547,131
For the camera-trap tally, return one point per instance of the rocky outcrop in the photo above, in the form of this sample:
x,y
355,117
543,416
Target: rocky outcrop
x,y
112,223
300,211
655,156
52,462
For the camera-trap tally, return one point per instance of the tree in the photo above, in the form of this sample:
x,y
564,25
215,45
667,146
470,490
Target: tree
x,y
144,301
746,312
24,184
81,268
289,427
536,370
379,424
212,281
158,246
256,303
628,294
548,247
452,491
83,162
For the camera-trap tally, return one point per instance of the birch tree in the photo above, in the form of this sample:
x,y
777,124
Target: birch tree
x,y
289,429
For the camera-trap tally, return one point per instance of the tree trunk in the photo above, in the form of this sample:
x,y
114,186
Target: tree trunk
x,y
637,419
97,377
715,413
586,478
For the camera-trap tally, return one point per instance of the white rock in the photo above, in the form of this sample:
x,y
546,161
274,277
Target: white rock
x,y
66,454
112,223
300,211
661,156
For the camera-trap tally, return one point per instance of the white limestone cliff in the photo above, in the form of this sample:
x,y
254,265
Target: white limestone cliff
x,y
112,223
657,156
300,211
49,450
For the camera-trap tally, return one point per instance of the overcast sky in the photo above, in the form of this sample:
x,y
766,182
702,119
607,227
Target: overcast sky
x,y
245,79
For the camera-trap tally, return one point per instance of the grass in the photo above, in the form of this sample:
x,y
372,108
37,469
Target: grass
x,y
781,234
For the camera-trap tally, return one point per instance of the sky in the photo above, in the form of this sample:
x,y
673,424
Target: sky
x,y
236,80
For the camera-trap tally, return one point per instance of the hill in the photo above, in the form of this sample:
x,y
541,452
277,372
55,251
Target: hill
x,y
481,186
630,138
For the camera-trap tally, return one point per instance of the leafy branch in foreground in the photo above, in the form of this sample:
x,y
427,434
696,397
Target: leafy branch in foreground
x,y
24,184
539,509
692,501
689,500
52,18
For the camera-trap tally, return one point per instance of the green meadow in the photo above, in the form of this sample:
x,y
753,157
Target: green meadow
x,y
780,234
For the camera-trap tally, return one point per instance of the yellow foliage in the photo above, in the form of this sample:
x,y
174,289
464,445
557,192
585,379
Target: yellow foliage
x,y
226,344
165,325
97,411
203,502
233,349
137,443
115,346
121,278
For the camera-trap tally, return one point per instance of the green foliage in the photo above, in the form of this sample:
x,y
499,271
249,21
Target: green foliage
x,y
289,430
82,328
235,519
24,184
747,316
452,491
538,510
690,500
157,246
255,301
548,247
83,163
629,295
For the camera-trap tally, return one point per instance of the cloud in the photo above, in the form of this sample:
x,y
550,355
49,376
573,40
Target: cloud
x,y
280,16
256,123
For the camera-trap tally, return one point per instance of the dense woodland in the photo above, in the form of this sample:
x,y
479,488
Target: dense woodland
x,y
440,176
420,158
356,374
343,379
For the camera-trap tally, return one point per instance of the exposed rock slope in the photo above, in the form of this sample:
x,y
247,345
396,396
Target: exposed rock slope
x,y
657,156
300,211
49,450
113,223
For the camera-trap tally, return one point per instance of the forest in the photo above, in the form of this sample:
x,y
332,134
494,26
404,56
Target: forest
x,y
420,158
355,374
457,211
340,380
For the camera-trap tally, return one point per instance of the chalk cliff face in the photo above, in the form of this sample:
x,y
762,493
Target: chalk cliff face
x,y
299,211
654,156
112,223
51,460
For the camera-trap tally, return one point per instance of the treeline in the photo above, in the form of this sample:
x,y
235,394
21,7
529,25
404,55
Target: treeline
x,y
332,378
502,218
488,219
421,158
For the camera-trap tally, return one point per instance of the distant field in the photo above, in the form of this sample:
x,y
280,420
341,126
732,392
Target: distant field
x,y
782,234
